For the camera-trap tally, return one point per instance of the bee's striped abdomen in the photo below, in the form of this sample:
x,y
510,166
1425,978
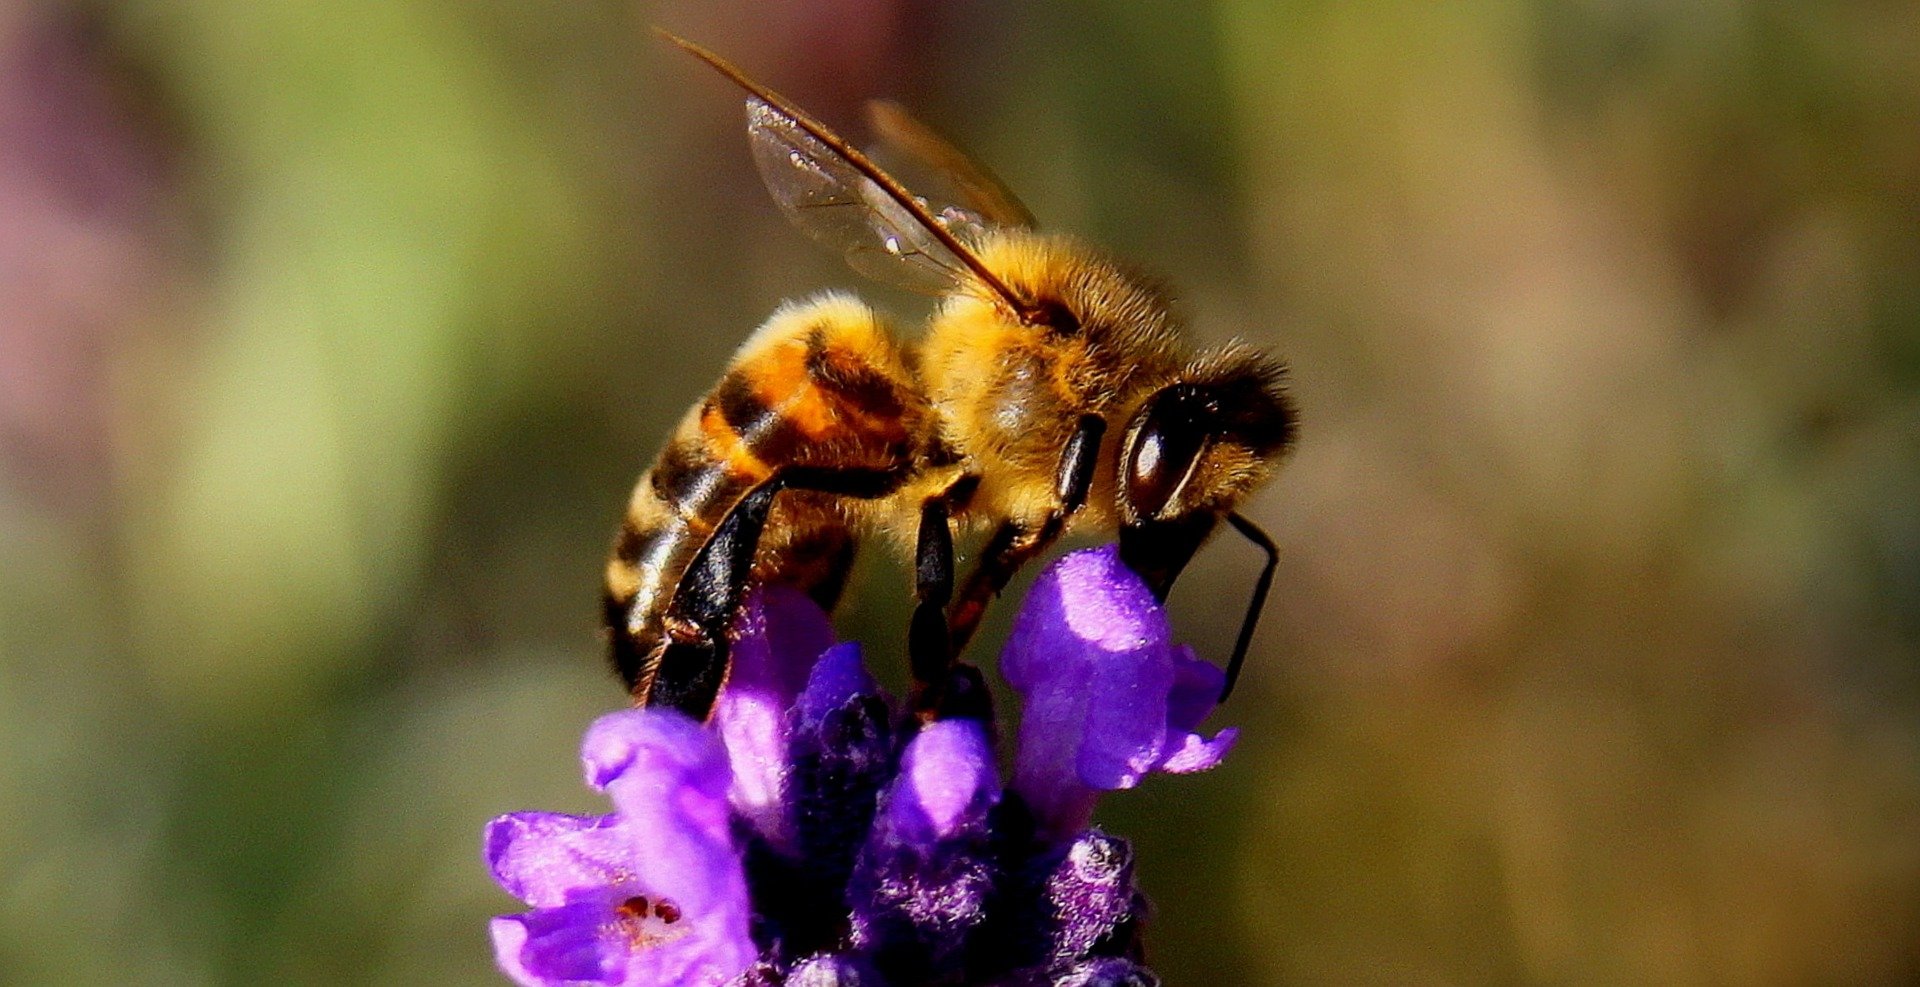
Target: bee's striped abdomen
x,y
820,384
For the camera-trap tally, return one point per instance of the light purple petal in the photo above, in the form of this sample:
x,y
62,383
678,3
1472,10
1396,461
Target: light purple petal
x,y
923,881
670,789
552,946
600,942
546,858
947,778
669,842
1086,600
658,743
1196,753
1088,635
700,956
1108,698
668,778
780,634
1126,720
1196,690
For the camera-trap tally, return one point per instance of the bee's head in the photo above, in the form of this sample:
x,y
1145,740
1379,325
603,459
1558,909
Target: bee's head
x,y
1193,451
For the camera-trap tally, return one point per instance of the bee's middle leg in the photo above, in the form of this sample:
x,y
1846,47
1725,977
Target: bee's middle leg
x,y
942,688
929,652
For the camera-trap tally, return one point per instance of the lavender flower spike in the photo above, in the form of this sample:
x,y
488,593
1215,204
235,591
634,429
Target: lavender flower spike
x,y
1108,697
815,834
652,894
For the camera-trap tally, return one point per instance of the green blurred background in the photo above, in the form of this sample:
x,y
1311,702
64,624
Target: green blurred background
x,y
332,336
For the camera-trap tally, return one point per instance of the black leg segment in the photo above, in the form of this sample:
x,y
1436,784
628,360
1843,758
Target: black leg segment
x,y
999,560
693,665
1253,534
928,650
1076,463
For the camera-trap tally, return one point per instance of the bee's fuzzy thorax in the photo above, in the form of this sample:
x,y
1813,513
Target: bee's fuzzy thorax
x,y
1119,308
1009,393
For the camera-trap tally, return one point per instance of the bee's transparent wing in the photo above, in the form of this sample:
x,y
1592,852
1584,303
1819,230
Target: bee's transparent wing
x,y
832,201
986,200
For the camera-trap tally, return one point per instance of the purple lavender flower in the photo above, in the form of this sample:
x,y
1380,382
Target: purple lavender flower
x,y
923,881
1109,698
814,835
652,894
779,636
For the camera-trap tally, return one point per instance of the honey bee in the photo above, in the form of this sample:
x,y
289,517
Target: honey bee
x,y
824,429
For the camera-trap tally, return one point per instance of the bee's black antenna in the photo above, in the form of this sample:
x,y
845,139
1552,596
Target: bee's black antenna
x,y
1253,534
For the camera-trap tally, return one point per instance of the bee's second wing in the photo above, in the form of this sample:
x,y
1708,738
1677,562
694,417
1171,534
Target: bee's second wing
x,y
835,203
985,201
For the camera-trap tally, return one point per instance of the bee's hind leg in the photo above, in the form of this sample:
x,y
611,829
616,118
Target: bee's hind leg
x,y
693,665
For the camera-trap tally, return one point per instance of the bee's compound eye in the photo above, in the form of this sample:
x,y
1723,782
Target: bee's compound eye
x,y
1165,447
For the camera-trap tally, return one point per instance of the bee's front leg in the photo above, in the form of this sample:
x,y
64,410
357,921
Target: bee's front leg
x,y
1016,541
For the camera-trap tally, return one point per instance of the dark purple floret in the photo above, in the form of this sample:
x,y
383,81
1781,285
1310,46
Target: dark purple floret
x,y
1104,973
811,835
1092,907
841,759
1060,904
922,883
835,970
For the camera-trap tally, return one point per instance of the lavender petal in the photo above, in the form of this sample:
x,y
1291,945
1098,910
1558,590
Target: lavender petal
x,y
546,858
923,882
778,637
1108,697
553,946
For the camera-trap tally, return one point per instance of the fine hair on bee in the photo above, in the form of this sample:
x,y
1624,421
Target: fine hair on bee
x,y
1049,389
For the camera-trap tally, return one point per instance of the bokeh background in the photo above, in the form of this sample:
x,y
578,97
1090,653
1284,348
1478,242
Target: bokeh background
x,y
332,336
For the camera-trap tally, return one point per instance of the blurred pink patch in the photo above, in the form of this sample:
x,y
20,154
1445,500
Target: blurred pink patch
x,y
80,250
